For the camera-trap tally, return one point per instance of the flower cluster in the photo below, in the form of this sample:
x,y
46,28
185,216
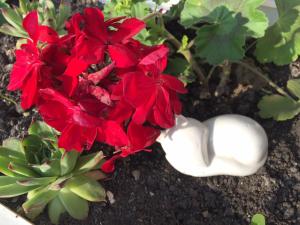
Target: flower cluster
x,y
97,83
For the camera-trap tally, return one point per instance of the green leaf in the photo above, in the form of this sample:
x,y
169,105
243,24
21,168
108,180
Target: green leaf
x,y
15,145
12,18
55,209
14,189
12,155
5,180
42,130
196,11
49,168
86,188
23,6
258,219
88,162
181,68
36,204
294,87
21,170
41,181
140,10
77,207
4,162
281,43
227,33
10,30
64,11
278,107
68,162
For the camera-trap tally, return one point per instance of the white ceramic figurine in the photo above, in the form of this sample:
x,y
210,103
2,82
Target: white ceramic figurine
x,y
224,145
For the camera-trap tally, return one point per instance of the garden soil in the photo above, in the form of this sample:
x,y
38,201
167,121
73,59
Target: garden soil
x,y
146,190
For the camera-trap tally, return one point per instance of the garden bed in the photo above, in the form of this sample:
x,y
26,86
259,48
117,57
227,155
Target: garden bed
x,y
147,190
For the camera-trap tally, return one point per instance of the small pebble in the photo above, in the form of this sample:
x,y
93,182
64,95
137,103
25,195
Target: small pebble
x,y
110,197
136,174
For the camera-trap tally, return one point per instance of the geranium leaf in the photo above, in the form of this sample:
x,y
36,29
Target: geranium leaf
x,y
227,31
140,9
294,87
196,11
86,188
281,43
278,107
55,209
76,206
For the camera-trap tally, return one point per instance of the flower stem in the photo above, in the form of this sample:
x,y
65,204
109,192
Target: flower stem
x,y
264,77
8,99
186,52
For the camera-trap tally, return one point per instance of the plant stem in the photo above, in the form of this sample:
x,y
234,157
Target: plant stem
x,y
186,53
8,99
151,15
264,77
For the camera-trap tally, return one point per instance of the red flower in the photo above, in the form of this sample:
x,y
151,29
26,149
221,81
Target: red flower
x,y
96,36
78,129
139,138
151,93
30,72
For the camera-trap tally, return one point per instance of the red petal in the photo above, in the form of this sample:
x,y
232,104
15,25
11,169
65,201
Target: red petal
x,y
162,111
94,23
47,34
109,165
69,84
112,133
120,112
76,137
101,94
29,89
100,75
173,83
30,24
141,113
20,70
157,59
122,56
138,88
76,67
127,29
142,136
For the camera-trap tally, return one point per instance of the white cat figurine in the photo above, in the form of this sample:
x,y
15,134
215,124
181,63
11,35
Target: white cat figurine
x,y
224,145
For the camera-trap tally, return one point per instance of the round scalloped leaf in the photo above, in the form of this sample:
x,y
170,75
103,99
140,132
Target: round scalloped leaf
x,y
196,11
258,219
278,107
76,206
281,43
222,40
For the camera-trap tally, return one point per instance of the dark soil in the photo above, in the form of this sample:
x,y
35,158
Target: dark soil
x,y
148,191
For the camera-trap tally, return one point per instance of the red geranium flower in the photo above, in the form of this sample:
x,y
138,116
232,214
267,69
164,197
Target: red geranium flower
x,y
78,129
151,93
30,72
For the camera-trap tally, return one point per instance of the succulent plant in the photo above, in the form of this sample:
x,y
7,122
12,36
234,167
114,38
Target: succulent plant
x,y
65,181
48,15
